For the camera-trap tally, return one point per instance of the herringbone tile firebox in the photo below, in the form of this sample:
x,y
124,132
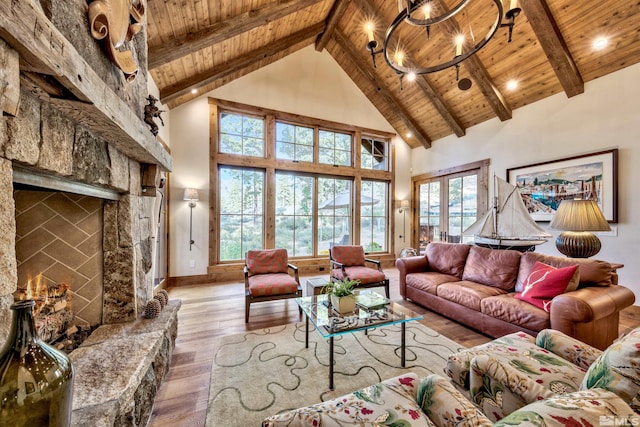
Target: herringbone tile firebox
x,y
60,235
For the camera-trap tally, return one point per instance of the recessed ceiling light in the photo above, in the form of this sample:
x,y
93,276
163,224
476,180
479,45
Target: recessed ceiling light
x,y
194,91
600,43
408,134
512,85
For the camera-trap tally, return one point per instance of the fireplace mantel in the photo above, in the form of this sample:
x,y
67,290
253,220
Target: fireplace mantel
x,y
89,100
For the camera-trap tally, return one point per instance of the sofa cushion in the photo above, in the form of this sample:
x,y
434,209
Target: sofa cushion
x,y
618,369
468,294
508,309
267,261
364,275
545,282
272,284
429,281
439,400
348,255
448,258
581,408
391,402
592,272
492,267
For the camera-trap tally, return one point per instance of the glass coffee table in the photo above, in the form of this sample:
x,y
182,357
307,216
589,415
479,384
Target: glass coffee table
x,y
329,323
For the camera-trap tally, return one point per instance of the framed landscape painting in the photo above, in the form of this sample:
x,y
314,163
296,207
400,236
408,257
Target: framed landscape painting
x,y
544,185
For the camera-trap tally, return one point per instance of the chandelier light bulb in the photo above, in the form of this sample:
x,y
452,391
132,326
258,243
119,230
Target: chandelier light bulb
x,y
514,4
459,41
369,29
426,9
411,76
399,57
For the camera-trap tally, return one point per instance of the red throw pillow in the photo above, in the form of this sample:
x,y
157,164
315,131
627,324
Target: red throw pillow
x,y
545,282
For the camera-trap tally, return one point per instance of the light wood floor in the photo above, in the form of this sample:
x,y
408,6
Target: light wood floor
x,y
213,310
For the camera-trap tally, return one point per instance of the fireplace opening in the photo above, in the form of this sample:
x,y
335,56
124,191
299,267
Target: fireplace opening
x,y
60,262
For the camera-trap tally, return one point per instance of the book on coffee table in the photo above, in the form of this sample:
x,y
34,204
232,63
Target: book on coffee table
x,y
371,301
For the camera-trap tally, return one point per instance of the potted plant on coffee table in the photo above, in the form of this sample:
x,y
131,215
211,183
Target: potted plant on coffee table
x,y
341,294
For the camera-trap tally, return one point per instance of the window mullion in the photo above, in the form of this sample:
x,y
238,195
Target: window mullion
x,y
270,208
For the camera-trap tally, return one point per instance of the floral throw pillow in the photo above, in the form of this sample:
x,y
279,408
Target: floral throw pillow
x,y
618,370
545,282
595,407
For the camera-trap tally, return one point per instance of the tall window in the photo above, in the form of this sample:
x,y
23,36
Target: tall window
x,y
334,213
294,142
241,211
241,134
288,181
373,154
373,216
335,148
294,213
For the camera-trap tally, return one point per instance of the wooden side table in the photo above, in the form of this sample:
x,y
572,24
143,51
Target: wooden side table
x,y
315,285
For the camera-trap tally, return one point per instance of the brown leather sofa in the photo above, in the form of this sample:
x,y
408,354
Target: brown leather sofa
x,y
476,286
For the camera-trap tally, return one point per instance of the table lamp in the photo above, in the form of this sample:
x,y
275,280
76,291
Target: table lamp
x,y
578,218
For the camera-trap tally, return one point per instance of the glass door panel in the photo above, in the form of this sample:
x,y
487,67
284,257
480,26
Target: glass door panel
x,y
429,214
447,205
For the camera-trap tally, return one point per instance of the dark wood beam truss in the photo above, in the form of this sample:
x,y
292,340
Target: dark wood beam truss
x,y
337,11
384,100
554,46
301,38
220,31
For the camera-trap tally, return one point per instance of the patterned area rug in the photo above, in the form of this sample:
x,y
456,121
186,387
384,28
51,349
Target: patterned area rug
x,y
260,373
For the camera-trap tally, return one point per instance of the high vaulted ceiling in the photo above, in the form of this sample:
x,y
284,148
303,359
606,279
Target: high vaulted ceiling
x,y
204,44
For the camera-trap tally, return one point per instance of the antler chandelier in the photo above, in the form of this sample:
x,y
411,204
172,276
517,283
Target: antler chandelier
x,y
425,37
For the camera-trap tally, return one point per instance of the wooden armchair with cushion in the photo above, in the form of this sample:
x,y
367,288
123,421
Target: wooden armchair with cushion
x,y
348,262
266,277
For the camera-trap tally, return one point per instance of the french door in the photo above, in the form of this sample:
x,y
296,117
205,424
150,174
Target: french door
x,y
446,204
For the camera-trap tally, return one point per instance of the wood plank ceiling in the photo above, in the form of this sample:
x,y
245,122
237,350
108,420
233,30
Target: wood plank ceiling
x,y
204,44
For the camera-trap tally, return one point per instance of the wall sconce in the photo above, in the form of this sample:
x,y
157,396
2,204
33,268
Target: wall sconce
x,y
404,205
191,195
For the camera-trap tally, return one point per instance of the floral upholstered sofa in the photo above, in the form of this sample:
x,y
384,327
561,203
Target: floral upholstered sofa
x,y
434,401
510,372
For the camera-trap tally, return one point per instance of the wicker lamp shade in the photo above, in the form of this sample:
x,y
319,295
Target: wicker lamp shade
x,y
579,218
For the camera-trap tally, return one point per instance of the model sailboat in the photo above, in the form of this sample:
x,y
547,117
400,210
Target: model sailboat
x,y
507,224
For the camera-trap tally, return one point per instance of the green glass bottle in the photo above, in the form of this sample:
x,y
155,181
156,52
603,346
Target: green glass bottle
x,y
36,380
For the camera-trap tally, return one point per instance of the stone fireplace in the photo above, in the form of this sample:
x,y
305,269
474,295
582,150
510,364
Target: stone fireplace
x,y
72,141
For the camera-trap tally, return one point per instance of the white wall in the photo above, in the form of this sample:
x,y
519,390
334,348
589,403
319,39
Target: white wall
x,y
307,83
605,116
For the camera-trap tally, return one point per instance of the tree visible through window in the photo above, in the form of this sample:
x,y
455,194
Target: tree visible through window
x,y
241,212
294,142
373,216
335,148
294,213
334,213
241,134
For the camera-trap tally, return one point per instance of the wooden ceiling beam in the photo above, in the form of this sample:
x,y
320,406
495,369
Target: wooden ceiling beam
x,y
489,90
554,46
430,93
220,31
174,91
337,11
438,103
368,78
